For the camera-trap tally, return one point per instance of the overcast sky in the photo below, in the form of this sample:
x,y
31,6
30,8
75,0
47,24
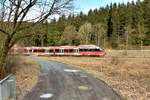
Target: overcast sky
x,y
85,5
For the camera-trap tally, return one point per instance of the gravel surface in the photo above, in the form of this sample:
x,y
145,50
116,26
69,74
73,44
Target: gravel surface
x,y
59,81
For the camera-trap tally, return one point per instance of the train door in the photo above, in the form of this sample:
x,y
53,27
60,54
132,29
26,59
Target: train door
x,y
76,51
61,51
46,51
56,52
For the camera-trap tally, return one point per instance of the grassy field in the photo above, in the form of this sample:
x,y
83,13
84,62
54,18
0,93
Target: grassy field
x,y
127,73
26,72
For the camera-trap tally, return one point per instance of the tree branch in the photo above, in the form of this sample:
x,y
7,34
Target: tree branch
x,y
19,38
50,11
4,32
26,10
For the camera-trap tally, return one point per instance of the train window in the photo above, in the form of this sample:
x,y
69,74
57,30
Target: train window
x,y
71,50
41,50
61,50
90,49
97,49
56,50
93,49
50,50
86,50
76,50
81,50
35,50
30,50
65,50
46,50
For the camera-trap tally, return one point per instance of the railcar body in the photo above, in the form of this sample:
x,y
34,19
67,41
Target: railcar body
x,y
81,50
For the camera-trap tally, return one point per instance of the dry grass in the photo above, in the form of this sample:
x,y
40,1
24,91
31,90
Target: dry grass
x,y
130,77
26,72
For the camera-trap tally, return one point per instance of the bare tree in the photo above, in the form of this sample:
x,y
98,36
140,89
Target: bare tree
x,y
16,16
128,32
70,36
141,31
98,29
85,31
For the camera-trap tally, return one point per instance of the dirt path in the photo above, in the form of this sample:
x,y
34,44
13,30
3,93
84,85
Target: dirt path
x,y
59,81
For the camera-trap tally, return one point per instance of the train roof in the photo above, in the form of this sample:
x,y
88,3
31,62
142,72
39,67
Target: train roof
x,y
67,47
89,46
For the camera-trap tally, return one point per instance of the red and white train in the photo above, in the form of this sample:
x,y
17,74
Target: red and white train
x,y
81,50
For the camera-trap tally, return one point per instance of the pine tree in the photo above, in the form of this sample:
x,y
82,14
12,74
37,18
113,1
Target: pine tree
x,y
110,24
146,7
116,20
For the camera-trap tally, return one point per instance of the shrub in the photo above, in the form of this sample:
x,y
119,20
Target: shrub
x,y
11,63
115,60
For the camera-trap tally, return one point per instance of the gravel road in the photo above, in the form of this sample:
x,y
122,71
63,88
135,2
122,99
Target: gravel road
x,y
59,81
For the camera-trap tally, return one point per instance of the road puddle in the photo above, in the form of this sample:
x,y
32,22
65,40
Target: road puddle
x,y
83,88
83,76
106,98
46,96
71,70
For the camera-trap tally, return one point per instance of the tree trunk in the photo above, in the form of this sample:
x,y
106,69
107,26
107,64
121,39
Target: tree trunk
x,y
142,54
3,57
87,39
127,40
104,45
98,40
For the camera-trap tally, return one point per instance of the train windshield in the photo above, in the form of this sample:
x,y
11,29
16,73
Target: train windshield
x,y
87,50
96,49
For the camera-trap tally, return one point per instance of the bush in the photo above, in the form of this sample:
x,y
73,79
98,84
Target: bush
x,y
115,60
11,62
114,45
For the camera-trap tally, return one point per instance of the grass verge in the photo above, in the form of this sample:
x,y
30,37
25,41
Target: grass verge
x,y
26,72
127,76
